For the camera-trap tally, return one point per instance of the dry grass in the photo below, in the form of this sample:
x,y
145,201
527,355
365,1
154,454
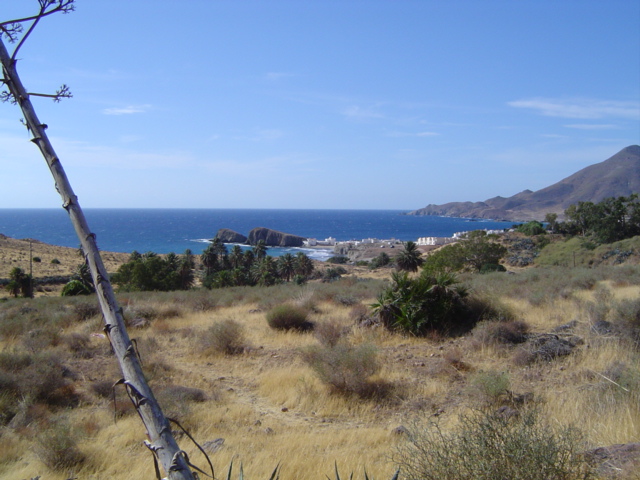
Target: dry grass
x,y
17,253
270,407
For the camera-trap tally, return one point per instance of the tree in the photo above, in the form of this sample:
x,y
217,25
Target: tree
x,y
471,253
409,259
286,266
209,259
160,439
304,266
479,250
260,250
531,228
608,221
236,256
19,283
552,221
265,272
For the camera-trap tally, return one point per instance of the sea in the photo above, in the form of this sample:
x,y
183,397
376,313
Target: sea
x,y
176,230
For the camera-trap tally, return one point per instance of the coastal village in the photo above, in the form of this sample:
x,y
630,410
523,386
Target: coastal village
x,y
368,248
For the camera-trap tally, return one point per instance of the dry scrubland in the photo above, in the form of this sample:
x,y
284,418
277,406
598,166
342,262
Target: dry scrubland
x,y
271,407
54,261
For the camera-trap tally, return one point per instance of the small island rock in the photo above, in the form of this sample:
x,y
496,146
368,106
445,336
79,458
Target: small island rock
x,y
273,238
229,236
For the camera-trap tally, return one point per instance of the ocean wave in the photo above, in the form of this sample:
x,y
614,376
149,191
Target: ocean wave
x,y
320,254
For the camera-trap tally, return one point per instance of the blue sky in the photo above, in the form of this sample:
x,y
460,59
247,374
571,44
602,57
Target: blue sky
x,y
321,104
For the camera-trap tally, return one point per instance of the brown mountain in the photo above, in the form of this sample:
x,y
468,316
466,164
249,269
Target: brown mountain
x,y
615,177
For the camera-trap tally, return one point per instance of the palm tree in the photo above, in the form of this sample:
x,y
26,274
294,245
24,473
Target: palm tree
x,y
209,259
409,259
260,250
304,265
17,279
219,248
265,272
286,266
236,256
185,270
247,259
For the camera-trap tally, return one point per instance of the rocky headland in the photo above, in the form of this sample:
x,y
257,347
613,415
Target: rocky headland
x,y
617,176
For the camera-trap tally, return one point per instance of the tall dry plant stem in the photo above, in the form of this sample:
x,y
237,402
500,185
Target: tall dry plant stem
x,y
161,441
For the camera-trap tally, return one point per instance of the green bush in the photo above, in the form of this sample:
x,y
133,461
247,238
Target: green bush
x,y
531,228
288,317
73,288
339,260
418,306
382,260
491,445
490,384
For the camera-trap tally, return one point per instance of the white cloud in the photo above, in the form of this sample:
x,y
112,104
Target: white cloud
x,y
360,113
262,135
583,108
128,110
413,134
83,154
275,76
590,126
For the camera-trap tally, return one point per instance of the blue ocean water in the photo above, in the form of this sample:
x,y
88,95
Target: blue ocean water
x,y
175,230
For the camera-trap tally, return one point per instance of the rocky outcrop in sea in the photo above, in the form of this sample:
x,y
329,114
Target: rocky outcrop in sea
x,y
273,238
227,235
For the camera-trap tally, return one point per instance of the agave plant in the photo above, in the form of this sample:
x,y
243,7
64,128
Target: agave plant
x,y
366,476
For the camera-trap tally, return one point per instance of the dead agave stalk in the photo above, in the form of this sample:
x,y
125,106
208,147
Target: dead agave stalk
x,y
161,440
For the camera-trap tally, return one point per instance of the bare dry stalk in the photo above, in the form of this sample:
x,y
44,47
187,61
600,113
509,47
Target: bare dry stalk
x,y
161,441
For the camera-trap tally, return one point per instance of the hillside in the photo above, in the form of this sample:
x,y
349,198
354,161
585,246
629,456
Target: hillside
x,y
616,176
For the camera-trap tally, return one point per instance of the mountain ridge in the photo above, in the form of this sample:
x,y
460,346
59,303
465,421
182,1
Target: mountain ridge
x,y
617,176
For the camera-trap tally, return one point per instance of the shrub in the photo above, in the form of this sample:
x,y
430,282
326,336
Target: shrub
x,y
56,447
75,287
288,317
84,311
345,368
78,344
224,337
531,228
382,260
418,306
176,399
490,445
345,300
512,332
37,259
55,261
328,333
491,385
338,260
332,274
